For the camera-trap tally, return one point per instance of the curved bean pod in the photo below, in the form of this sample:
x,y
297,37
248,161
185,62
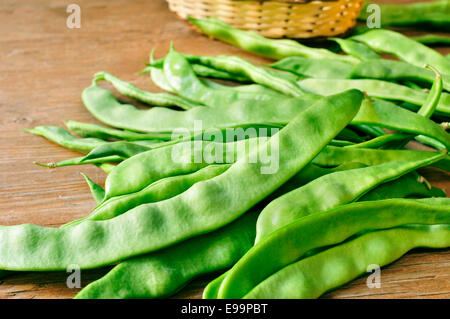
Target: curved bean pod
x,y
182,78
154,99
375,88
212,288
334,226
434,13
104,106
255,43
154,226
159,190
143,169
330,191
395,71
62,137
334,156
319,69
432,39
103,132
165,272
405,49
407,186
315,275
279,81
96,190
357,49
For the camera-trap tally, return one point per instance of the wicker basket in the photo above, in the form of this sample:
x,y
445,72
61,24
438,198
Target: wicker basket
x,y
276,19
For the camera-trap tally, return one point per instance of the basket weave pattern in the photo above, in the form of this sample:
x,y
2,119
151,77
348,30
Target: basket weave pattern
x,y
276,19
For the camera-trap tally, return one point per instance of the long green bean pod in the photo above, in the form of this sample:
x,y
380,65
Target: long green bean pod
x,y
249,113
357,49
255,43
315,275
377,89
103,132
292,242
433,39
96,190
330,191
163,273
391,70
154,99
62,137
405,49
154,226
431,14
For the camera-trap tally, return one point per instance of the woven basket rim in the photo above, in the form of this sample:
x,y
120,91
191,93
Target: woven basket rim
x,y
286,1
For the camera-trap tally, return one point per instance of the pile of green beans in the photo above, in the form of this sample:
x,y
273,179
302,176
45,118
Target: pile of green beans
x,y
180,201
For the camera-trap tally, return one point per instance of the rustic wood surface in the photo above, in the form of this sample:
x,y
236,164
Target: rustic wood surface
x,y
45,66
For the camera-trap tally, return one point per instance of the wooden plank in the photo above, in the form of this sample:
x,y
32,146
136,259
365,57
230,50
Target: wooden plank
x,y
44,68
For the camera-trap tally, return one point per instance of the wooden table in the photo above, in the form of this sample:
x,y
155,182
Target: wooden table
x,y
45,66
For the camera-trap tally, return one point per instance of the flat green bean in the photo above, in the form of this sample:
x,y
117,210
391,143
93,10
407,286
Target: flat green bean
x,y
357,49
315,68
96,190
330,191
407,186
315,275
255,43
163,273
376,88
433,39
154,99
103,132
243,114
431,14
157,191
154,226
290,243
404,48
62,137
391,70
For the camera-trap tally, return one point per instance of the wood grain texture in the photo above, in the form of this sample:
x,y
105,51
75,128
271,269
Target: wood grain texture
x,y
45,66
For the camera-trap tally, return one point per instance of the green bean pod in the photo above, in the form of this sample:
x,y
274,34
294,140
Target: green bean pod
x,y
163,273
319,69
255,43
411,185
405,49
292,242
332,156
248,113
157,191
182,78
96,190
433,39
212,288
154,226
315,275
330,191
103,132
431,14
62,137
357,49
143,169
154,99
279,81
377,89
391,70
